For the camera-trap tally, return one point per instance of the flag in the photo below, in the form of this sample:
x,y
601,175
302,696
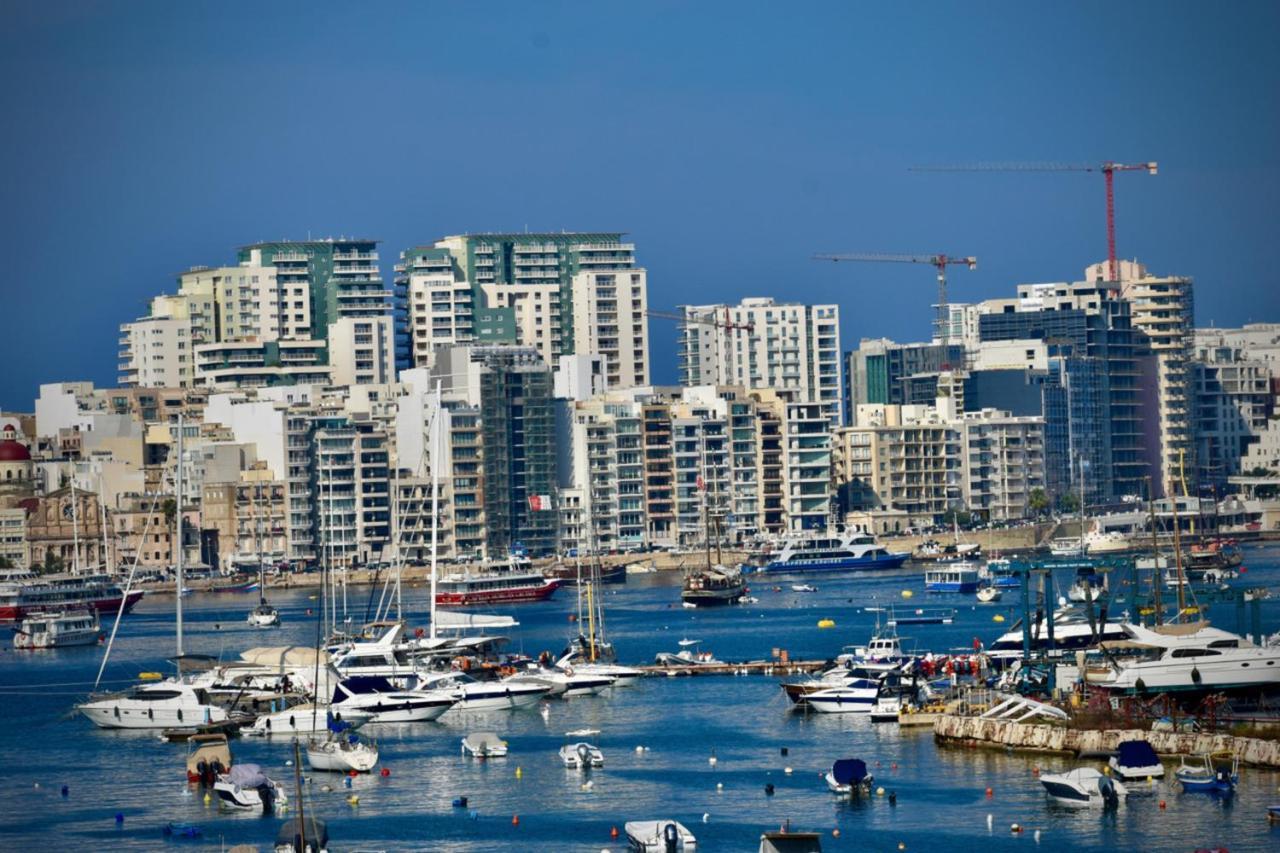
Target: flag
x,y
702,484
539,503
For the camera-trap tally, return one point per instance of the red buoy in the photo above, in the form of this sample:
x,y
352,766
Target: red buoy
x,y
988,792
515,820
386,771
613,832
353,773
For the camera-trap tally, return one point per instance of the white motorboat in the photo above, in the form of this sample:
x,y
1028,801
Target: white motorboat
x,y
162,705
1084,786
472,695
304,718
686,657
264,616
581,755
246,787
55,630
659,836
623,676
803,587
342,752
484,745
1135,759
849,776
1107,542
1081,591
383,703
1067,546
855,696
1187,657
987,594
886,709
208,757
566,681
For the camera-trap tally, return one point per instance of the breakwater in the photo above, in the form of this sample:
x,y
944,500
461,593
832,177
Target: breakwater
x,y
953,729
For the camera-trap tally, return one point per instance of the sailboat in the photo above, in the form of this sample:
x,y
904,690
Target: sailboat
x,y
591,654
716,584
172,703
264,615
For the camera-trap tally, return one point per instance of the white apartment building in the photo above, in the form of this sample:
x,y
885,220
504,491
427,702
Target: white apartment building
x,y
257,364
536,310
807,465
362,351
1002,462
607,475
789,347
609,319
156,352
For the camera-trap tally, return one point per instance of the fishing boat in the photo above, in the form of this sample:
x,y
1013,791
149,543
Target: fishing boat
x,y
713,586
826,552
961,577
1135,759
31,594
855,696
56,630
1211,774
581,755
246,787
1083,786
849,776
497,587
208,757
659,836
484,745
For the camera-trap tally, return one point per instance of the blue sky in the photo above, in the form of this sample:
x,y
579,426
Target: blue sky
x,y
731,140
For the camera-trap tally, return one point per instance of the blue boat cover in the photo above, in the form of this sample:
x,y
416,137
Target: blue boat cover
x,y
1136,753
849,771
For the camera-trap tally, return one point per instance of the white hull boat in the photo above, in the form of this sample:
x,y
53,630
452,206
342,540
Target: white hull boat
x,y
987,594
659,836
568,681
849,776
1084,787
1135,759
472,695
163,705
886,710
264,616
856,696
1190,658
246,788
379,702
58,630
622,676
581,756
484,745
303,719
342,754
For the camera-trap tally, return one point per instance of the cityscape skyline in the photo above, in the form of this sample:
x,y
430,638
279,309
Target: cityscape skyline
x,y
757,197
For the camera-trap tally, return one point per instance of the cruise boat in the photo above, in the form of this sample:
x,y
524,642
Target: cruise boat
x,y
494,588
835,553
27,593
1191,657
57,630
952,577
162,705
713,586
1001,573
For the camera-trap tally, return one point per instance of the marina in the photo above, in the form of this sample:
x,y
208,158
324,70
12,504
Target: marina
x,y
676,747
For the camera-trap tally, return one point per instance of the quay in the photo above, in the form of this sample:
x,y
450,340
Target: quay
x,y
754,667
959,730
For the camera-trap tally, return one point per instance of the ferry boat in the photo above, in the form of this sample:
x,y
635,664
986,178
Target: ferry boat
x,y
952,577
494,588
56,630
29,593
834,553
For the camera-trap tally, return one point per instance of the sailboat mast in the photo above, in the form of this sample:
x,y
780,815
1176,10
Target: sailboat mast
x,y
102,512
178,570
75,523
395,525
1177,555
1156,579
435,503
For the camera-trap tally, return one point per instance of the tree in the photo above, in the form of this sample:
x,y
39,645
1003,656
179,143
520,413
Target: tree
x,y
170,510
1037,501
959,517
1069,502
53,562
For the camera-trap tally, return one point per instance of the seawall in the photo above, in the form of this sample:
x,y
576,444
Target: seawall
x,y
952,729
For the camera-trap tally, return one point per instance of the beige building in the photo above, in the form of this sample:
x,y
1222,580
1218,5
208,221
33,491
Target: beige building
x,y
362,351
65,529
609,319
141,532
1003,462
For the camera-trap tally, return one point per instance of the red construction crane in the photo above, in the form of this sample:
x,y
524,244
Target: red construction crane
x,y
940,262
1108,170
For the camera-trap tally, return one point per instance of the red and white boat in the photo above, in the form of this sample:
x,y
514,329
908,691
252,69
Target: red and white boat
x,y
494,588
28,593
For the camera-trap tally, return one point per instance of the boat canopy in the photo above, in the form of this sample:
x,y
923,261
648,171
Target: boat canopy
x,y
282,656
849,771
247,775
1136,753
481,741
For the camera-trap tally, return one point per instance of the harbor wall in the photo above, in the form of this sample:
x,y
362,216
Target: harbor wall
x,y
958,730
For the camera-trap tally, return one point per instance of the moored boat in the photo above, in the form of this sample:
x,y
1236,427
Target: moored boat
x,y
834,552
1135,759
484,745
581,755
246,787
1211,774
1082,787
849,776
30,593
57,630
494,587
160,705
959,577
713,586
208,757
659,836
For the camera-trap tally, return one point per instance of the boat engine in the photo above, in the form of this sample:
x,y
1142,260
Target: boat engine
x,y
1108,790
670,838
268,797
584,755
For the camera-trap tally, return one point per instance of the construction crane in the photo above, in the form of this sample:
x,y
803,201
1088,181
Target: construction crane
x,y
705,320
1107,168
940,262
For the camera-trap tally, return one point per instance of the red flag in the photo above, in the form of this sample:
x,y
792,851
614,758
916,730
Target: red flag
x,y
702,485
538,503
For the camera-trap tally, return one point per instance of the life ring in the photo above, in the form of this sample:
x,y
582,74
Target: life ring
x,y
568,670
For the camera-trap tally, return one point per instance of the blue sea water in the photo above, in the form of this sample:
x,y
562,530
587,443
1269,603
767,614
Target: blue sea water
x,y
681,723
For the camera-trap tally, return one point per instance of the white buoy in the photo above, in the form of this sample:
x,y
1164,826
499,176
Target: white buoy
x,y
719,786
712,761
705,817
1037,836
991,822
288,762
639,749
786,770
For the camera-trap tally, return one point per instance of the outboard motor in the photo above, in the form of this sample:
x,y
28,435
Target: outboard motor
x,y
202,772
1108,790
670,838
584,755
268,797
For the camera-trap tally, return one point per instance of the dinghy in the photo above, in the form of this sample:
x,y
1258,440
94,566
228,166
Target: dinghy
x,y
849,776
484,745
1135,759
659,836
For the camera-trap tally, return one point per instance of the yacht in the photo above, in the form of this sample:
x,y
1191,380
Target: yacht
x,y
1107,542
162,705
472,695
1083,787
303,718
835,553
567,681
854,696
379,699
1071,633
713,586
1188,657
56,630
27,593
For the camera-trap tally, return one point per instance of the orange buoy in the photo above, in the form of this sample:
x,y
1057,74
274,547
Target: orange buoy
x,y
515,820
988,792
353,773
1162,804
613,832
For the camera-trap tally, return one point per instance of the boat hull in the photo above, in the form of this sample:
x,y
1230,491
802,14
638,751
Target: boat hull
x,y
498,596
333,757
106,714
507,700
16,612
843,564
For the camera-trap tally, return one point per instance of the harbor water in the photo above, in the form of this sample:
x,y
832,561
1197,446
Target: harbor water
x,y
659,738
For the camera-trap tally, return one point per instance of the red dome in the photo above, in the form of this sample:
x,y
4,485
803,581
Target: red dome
x,y
13,451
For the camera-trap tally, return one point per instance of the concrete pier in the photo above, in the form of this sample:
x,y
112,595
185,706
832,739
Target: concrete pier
x,y
953,729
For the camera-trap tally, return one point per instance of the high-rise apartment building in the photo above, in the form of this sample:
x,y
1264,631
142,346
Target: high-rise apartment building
x,y
559,293
882,372
789,347
1234,393
900,458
